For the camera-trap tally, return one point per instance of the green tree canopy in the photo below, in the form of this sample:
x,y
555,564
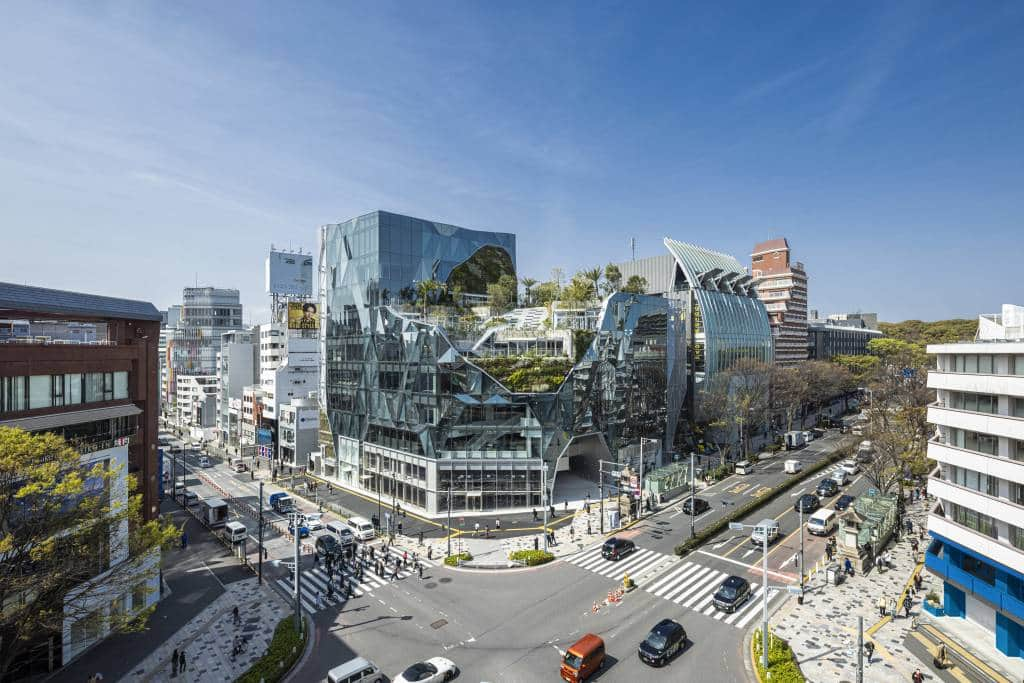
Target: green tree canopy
x,y
72,540
636,284
612,278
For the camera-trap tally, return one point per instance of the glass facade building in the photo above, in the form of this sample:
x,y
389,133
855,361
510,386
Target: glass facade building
x,y
412,416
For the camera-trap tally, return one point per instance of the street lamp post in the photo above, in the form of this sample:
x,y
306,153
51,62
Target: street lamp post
x,y
449,518
800,598
544,501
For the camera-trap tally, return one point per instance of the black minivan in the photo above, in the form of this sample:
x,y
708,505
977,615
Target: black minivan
x,y
617,548
662,643
733,592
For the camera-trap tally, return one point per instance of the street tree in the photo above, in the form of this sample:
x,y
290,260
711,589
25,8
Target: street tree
x,y
862,368
545,293
636,284
733,405
73,544
612,278
502,294
528,282
580,290
789,393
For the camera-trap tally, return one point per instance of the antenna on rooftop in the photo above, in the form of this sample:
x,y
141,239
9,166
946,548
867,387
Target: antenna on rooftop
x,y
632,246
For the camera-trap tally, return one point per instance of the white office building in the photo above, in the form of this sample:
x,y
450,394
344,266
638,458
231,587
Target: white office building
x,y
977,525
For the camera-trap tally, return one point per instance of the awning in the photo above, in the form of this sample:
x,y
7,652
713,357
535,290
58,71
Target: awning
x,y
73,417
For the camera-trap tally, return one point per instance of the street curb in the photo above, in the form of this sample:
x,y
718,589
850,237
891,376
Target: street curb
x,y
301,661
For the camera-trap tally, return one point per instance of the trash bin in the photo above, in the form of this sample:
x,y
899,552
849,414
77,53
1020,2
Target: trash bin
x,y
833,575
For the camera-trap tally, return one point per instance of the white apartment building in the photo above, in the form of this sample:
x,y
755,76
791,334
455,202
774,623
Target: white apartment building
x,y
298,431
289,368
236,369
196,405
977,525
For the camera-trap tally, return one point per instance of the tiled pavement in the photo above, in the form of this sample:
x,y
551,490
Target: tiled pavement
x,y
823,631
207,639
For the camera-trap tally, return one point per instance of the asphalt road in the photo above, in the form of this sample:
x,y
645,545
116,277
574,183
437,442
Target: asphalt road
x,y
514,625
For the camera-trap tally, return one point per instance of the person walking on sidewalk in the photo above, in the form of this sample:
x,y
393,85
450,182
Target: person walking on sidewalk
x,y
394,572
497,525
869,650
174,663
181,661
917,676
419,569
906,606
235,616
881,605
476,529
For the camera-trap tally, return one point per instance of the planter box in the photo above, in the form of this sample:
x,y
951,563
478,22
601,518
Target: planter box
x,y
935,611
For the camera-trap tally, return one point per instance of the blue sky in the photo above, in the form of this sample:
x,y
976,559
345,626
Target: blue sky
x,y
145,145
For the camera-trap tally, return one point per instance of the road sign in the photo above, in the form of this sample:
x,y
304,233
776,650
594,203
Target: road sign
x,y
735,526
908,372
795,590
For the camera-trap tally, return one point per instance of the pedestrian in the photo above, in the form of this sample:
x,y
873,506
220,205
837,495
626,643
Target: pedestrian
x,y
892,607
405,556
869,650
917,581
887,559
918,677
476,528
181,661
881,606
906,606
372,553
487,531
394,572
497,525
184,540
878,562
566,502
252,475
913,545
535,514
572,533
235,616
430,552
419,568
174,663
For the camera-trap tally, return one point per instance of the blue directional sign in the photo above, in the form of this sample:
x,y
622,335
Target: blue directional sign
x,y
908,372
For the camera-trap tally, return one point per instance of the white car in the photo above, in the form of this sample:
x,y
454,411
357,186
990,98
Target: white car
x,y
314,521
434,670
204,461
850,467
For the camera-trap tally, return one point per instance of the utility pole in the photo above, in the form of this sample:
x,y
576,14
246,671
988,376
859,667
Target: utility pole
x,y
860,649
261,535
298,573
693,490
449,517
800,599
640,506
600,488
544,501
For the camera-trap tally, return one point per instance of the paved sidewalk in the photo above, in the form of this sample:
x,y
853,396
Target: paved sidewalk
x,y
208,638
823,631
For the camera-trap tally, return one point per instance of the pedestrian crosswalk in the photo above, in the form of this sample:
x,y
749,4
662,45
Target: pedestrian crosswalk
x,y
315,581
693,586
636,563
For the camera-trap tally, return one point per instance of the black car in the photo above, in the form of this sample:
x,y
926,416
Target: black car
x,y
328,546
662,643
807,503
617,548
699,506
827,487
733,592
843,501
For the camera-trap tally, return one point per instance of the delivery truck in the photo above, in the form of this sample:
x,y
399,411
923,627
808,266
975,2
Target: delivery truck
x,y
214,512
282,503
795,440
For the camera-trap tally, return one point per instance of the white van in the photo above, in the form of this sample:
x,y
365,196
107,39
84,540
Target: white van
x,y
793,466
840,477
744,467
822,522
757,537
341,529
361,528
235,532
356,670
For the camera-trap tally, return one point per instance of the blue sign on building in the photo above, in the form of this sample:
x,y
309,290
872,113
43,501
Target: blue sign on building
x,y
264,437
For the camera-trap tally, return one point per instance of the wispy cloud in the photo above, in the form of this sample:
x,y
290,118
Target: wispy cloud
x,y
781,82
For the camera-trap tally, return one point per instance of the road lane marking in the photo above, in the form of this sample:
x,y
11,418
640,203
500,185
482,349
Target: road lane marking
x,y
755,566
684,569
794,495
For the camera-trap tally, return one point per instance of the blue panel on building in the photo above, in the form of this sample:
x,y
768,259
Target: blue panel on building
x,y
954,601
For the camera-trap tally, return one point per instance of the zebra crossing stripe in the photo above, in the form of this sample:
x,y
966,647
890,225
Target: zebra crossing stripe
x,y
591,561
683,570
290,592
669,586
750,614
397,555
720,615
705,606
678,592
752,602
641,567
697,592
622,565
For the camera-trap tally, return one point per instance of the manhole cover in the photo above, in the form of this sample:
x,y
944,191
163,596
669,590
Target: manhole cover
x,y
430,585
438,624
445,580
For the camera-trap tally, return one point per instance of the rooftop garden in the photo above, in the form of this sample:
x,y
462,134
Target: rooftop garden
x,y
528,373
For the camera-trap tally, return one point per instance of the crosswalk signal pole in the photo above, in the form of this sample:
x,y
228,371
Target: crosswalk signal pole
x,y
298,573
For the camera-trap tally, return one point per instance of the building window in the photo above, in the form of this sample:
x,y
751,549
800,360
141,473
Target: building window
x,y
985,364
974,520
39,391
1017,365
1017,407
1016,536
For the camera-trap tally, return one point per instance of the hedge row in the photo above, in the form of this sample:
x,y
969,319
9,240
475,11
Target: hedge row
x,y
712,530
284,650
453,560
531,557
782,666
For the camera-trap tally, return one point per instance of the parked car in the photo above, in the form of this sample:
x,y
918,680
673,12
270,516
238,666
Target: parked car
x,y
314,520
433,670
827,487
807,503
844,501
731,595
617,548
699,506
665,640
